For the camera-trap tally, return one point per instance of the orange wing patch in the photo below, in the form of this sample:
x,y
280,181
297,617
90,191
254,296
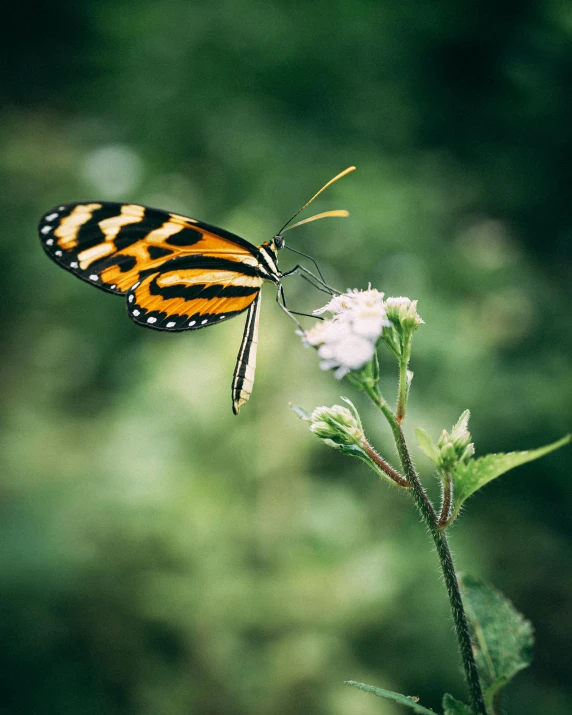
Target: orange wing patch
x,y
189,299
114,246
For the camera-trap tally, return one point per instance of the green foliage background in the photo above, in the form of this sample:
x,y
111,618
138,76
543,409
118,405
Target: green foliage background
x,y
163,556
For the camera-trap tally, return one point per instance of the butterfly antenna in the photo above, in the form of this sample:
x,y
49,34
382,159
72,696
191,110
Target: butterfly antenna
x,y
338,213
315,196
341,213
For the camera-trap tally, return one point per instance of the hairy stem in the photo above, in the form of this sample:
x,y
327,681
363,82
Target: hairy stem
x,y
442,546
446,501
402,392
447,566
384,466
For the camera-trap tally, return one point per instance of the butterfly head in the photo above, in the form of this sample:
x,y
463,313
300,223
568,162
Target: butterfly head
x,y
278,242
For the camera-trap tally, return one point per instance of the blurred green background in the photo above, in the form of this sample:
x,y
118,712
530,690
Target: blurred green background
x,y
161,556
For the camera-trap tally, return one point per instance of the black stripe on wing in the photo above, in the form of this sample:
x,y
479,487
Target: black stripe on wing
x,y
111,245
180,307
98,232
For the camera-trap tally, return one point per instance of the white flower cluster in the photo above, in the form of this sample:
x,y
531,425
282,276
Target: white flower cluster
x,y
347,341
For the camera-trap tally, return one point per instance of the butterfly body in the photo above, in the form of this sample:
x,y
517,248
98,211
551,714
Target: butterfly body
x,y
177,273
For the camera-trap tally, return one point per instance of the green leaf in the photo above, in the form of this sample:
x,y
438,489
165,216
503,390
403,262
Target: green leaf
x,y
462,423
502,637
408,701
455,707
353,450
426,444
474,474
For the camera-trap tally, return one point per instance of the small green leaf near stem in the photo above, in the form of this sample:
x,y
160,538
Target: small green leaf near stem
x,y
406,700
470,476
503,637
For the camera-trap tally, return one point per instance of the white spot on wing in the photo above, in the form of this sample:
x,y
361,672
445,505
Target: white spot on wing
x,y
204,322
151,320
46,229
135,286
50,242
222,317
193,322
131,298
136,312
51,217
58,253
93,277
171,324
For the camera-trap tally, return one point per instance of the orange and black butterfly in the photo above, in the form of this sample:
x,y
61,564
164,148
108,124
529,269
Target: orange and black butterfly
x,y
178,273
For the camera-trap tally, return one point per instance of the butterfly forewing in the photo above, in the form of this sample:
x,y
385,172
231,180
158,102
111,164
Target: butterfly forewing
x,y
113,245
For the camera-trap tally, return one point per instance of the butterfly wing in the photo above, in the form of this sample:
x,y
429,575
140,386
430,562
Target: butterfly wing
x,y
113,245
192,292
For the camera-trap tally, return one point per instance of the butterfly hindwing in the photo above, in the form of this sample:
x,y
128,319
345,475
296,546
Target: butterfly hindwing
x,y
185,295
114,245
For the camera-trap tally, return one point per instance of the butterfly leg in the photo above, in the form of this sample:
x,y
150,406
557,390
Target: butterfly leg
x,y
281,300
323,281
303,272
311,282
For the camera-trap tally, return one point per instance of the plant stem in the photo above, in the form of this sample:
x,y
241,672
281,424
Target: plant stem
x,y
447,566
384,466
402,392
447,484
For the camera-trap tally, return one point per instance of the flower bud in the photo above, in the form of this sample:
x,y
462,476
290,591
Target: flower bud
x,y
403,313
461,441
467,453
338,426
457,446
443,439
403,322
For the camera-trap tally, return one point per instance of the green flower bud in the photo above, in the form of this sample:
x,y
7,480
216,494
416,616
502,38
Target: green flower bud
x,y
403,321
443,439
468,453
338,426
457,446
448,457
403,314
322,429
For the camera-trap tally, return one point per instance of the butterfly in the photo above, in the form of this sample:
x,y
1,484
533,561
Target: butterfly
x,y
177,273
